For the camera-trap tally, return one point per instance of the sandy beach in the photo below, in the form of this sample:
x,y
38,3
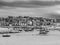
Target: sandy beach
x,y
53,38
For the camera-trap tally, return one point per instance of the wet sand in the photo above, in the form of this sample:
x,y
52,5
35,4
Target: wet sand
x,y
27,39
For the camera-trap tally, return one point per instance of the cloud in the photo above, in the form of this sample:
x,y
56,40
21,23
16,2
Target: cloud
x,y
54,15
28,4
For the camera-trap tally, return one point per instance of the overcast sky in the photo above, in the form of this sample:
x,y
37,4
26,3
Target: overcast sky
x,y
29,0
28,8
28,4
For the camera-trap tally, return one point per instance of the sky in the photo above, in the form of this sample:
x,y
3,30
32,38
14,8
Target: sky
x,y
32,8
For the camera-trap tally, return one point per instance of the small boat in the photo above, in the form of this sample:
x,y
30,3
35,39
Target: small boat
x,y
6,35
